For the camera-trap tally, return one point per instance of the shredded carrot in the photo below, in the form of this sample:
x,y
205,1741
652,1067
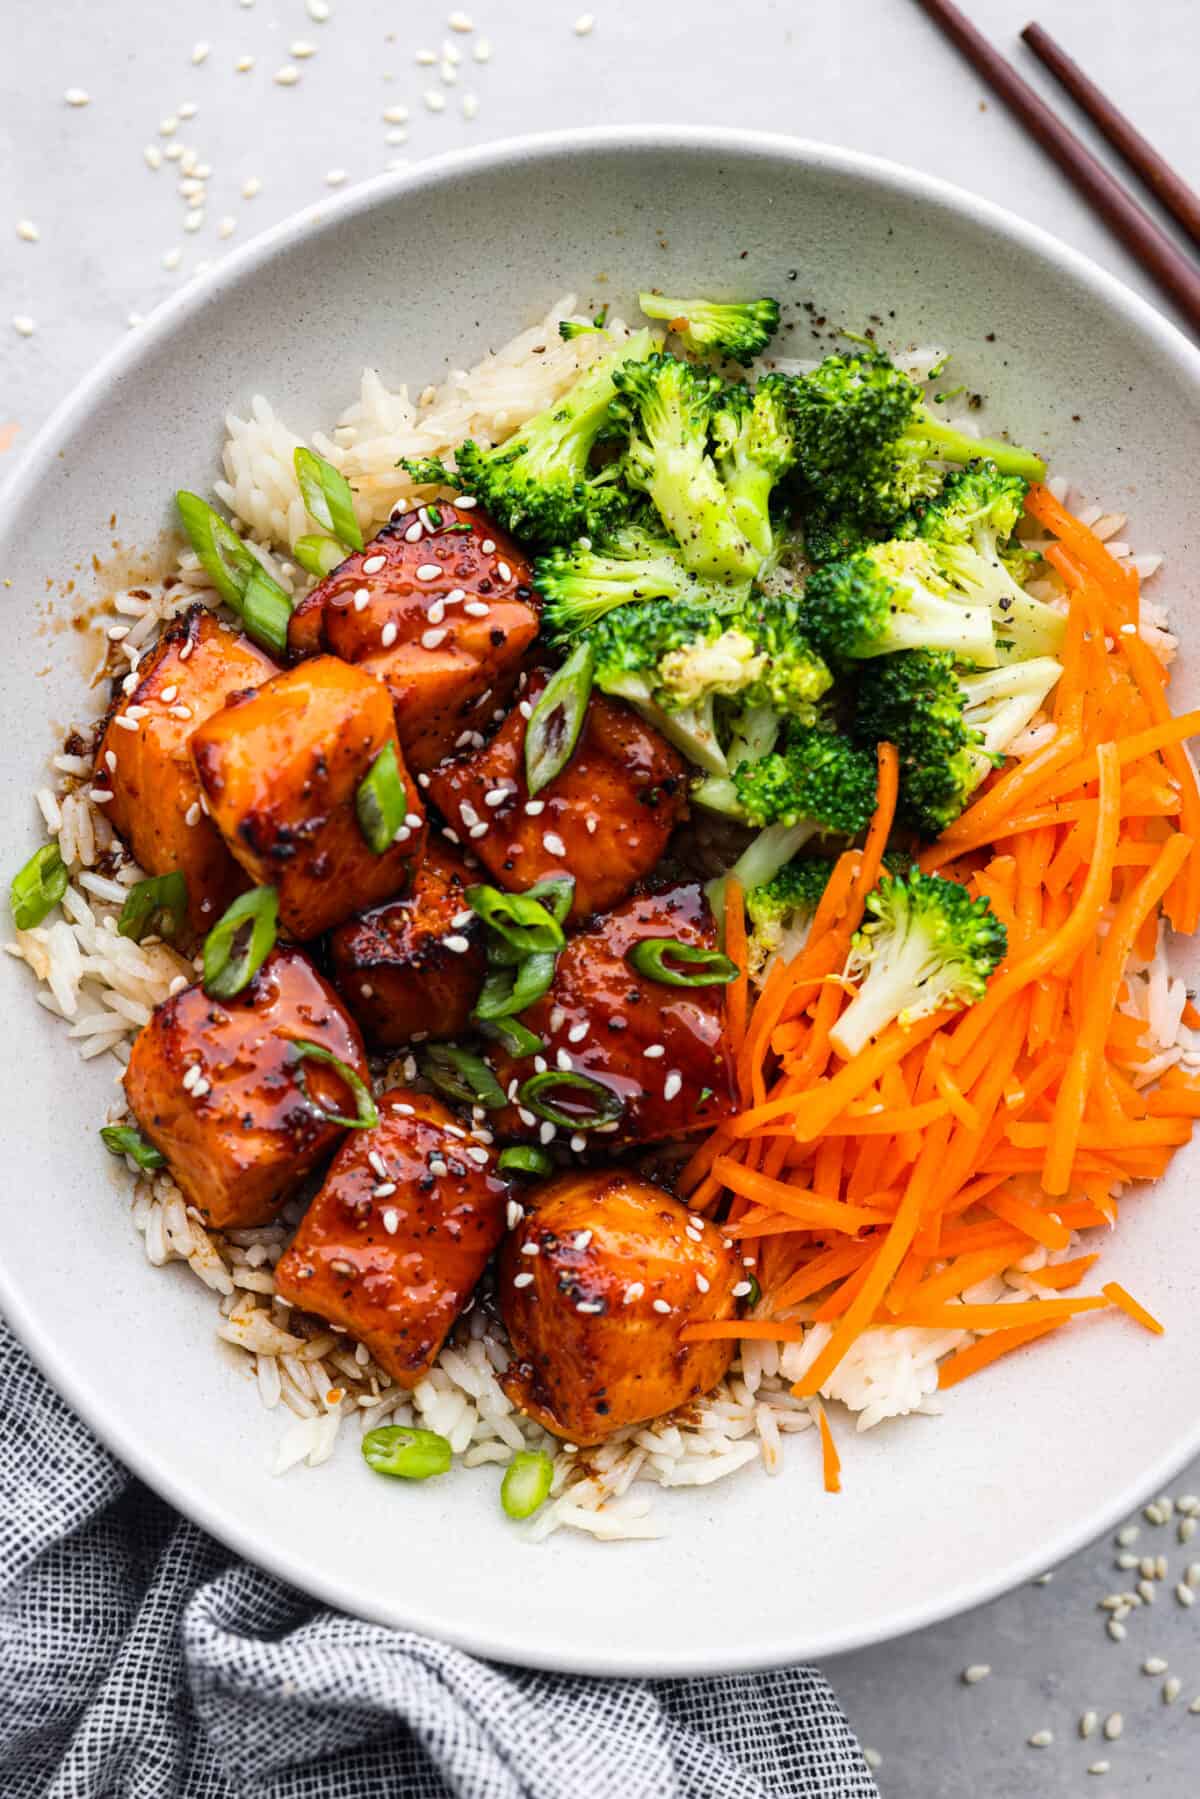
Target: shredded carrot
x,y
979,1355
1063,1274
997,1317
1117,1293
1039,1225
831,1461
766,1330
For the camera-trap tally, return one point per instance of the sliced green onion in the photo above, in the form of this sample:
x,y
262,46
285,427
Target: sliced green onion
x,y
460,1075
555,893
606,1105
406,1453
381,801
266,610
510,990
37,888
513,1036
327,497
526,1482
160,902
525,1158
523,923
709,968
319,555
366,1111
254,917
124,1140
755,1293
238,576
557,719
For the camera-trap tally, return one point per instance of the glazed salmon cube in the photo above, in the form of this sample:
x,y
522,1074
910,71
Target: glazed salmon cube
x,y
145,762
605,819
280,767
216,1086
413,967
658,1050
447,616
394,1243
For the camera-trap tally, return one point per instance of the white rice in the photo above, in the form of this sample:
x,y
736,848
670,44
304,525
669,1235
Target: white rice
x,y
104,987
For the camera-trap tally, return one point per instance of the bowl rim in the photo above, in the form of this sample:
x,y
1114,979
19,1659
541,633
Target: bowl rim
x,y
430,174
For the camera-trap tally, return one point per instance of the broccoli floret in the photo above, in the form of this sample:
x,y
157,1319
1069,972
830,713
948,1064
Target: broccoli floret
x,y
781,911
673,661
569,328
950,729
818,780
665,405
830,534
579,585
927,944
537,483
754,446
868,445
795,676
968,526
891,598
428,471
738,330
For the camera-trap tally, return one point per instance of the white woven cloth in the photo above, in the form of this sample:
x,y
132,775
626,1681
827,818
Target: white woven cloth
x,y
140,1660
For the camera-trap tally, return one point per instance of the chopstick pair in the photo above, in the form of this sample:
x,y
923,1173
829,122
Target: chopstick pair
x,y
1158,255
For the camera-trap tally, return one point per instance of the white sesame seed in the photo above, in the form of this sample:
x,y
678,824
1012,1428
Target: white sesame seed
x,y
462,918
188,110
483,49
243,65
660,1305
673,1084
488,546
461,21
702,1283
194,219
1192,1574
391,1221
582,1239
1194,1707
335,177
413,820
578,1143
578,1032
975,1673
1188,1504
1154,1664
1043,1580
553,844
1041,1739
318,10
1160,1567
479,830
372,566
250,187
434,101
388,635
504,572
1187,1529
525,1279
448,72
23,325
200,1088
396,115
426,58
429,571
534,808
527,1118
1116,1630
1125,1560
1146,1591
470,106
1100,1767
547,1132
77,96
741,1290
479,1156
563,1061
653,1051
476,609
1185,1594
288,76
591,1306
458,945
301,48
27,231
1129,1533
496,796
1171,1688
402,835
383,1190
584,24
514,1214
1114,1724
192,815
431,640
438,1167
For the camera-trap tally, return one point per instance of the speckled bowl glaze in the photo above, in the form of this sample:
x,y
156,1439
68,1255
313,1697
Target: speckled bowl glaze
x,y
415,274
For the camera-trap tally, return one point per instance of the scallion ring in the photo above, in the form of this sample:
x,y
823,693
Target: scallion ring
x,y
124,1140
523,923
755,1294
513,1036
37,887
701,967
509,990
327,497
556,893
319,555
408,1454
526,1483
236,573
526,1158
381,802
597,1105
460,1075
253,917
160,902
366,1111
557,719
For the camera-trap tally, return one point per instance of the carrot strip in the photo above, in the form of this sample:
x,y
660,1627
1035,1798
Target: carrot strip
x,y
1173,1102
831,1461
1068,1132
1064,944
1041,504
805,1207
1063,1274
885,1124
832,1265
814,1110
758,1330
987,1350
1117,1293
965,1271
997,1317
1037,1224
1020,782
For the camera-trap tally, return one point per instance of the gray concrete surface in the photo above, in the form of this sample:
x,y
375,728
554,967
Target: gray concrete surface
x,y
867,73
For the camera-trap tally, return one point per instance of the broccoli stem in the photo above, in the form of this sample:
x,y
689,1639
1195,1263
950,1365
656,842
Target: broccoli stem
x,y
887,989
691,729
956,446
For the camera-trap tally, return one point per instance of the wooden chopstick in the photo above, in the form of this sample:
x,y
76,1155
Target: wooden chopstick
x,y
1134,226
1180,199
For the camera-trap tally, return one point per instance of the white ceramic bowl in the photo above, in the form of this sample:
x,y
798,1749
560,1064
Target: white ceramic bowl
x,y
416,274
